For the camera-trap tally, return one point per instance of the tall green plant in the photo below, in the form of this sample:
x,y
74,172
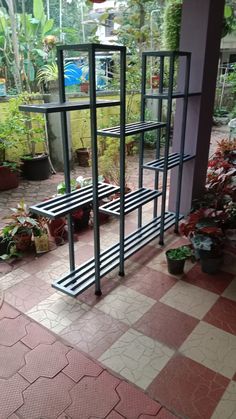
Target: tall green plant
x,y
171,25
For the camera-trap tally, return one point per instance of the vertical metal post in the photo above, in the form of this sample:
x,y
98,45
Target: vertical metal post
x,y
141,143
93,123
159,118
182,141
122,156
167,144
66,153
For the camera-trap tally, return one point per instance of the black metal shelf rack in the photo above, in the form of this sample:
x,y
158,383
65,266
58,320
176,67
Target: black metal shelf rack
x,y
90,273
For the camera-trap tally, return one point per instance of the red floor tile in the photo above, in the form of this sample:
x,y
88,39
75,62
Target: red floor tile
x,y
234,377
89,297
44,361
166,325
188,388
46,398
7,311
165,414
12,359
149,282
216,283
28,293
12,330
146,254
84,253
94,332
134,403
223,315
94,397
40,263
11,394
37,334
114,415
79,366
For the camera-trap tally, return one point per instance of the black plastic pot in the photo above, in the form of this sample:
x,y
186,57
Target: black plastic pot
x,y
82,222
210,264
175,267
36,168
3,246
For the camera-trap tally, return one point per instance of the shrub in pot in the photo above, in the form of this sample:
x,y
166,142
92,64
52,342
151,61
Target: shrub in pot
x,y
28,130
9,171
176,259
20,227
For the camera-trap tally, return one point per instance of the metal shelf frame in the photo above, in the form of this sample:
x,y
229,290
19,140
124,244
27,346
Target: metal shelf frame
x,y
90,273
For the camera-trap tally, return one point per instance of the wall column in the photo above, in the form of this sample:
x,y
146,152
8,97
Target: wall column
x,y
201,30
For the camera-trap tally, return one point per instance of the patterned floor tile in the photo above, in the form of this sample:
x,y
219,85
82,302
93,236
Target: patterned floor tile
x,y
7,311
46,398
213,348
163,414
125,304
11,394
28,293
230,291
44,361
216,283
223,315
188,388
80,366
149,282
54,271
94,332
137,357
37,334
57,312
166,325
190,299
93,396
12,330
229,263
13,278
226,409
134,403
12,359
40,263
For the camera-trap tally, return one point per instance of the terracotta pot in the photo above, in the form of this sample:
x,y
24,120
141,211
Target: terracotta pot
x,y
9,179
23,240
57,228
84,87
83,156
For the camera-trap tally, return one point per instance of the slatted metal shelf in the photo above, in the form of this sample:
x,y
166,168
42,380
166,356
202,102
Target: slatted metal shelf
x,y
83,277
164,95
173,161
132,128
133,200
65,204
66,106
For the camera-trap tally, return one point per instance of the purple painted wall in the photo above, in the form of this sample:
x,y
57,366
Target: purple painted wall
x,y
200,34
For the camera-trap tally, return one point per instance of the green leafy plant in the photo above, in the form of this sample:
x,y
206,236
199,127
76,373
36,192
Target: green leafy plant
x,y
172,24
180,253
19,220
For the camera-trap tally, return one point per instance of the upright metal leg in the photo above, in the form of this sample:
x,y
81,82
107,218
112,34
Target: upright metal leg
x,y
141,143
158,144
167,144
66,153
182,143
93,123
122,158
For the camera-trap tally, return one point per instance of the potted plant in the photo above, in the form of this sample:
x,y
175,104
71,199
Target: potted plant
x,y
29,132
9,171
230,223
20,226
40,233
83,153
176,259
204,229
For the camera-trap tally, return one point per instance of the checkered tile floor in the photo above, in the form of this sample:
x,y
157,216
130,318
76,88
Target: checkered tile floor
x,y
173,337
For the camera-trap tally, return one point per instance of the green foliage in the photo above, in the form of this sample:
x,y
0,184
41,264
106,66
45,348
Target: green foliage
x,y
172,24
180,253
21,128
19,221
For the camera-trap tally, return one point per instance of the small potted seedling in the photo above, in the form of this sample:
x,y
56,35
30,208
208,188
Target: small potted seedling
x,y
176,259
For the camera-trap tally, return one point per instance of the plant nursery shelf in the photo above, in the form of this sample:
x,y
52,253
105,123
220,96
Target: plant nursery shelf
x,y
133,200
173,161
83,277
65,204
131,129
66,106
